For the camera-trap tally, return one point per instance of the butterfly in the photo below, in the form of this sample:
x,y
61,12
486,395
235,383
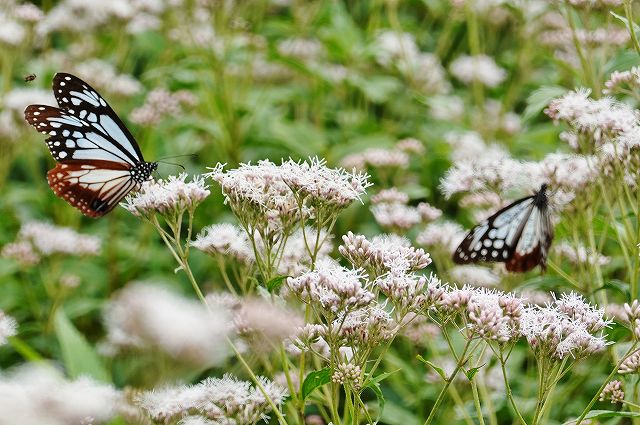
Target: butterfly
x,y
29,78
518,235
99,161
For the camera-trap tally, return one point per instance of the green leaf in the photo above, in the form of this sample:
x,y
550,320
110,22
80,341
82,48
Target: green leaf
x,y
624,20
375,387
382,377
472,372
606,414
540,98
440,371
275,283
78,356
314,380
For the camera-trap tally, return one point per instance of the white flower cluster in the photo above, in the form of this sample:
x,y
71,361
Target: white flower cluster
x,y
568,327
622,81
167,197
335,288
601,120
277,197
630,365
488,313
38,394
225,400
383,253
144,316
613,392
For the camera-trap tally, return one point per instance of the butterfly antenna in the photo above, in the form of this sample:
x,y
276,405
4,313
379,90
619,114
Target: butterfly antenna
x,y
192,155
173,163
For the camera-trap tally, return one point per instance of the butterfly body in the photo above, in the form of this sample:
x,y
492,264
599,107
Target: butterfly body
x,y
99,161
518,235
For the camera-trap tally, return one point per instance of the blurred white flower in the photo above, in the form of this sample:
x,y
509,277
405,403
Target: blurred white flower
x,y
396,216
580,254
295,256
37,394
469,146
304,49
19,98
392,47
481,68
8,327
21,251
161,103
225,239
410,146
48,239
470,274
390,196
444,234
12,33
425,71
446,108
145,316
377,158
104,76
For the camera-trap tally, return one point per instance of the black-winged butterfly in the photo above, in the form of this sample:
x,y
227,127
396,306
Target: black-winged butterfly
x,y
518,235
99,161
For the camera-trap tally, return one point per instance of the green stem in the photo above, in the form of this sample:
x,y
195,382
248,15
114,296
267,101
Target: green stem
x,y
448,382
256,381
628,13
508,388
604,384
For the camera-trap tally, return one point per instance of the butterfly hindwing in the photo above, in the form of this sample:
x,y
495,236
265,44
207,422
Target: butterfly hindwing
x,y
94,187
533,244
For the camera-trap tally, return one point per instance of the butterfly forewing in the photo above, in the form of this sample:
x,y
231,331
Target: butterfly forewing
x,y
100,161
518,235
71,137
493,239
